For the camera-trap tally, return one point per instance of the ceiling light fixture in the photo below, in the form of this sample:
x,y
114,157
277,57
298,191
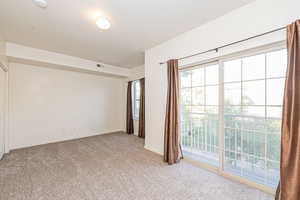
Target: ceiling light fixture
x,y
40,3
103,23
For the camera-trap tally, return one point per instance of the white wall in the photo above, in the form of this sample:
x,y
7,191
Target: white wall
x,y
3,82
2,111
136,73
258,17
3,58
49,105
103,88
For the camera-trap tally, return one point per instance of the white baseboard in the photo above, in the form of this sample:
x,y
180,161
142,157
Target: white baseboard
x,y
66,139
154,151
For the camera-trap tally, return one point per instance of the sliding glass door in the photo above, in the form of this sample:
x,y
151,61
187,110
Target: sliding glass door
x,y
199,113
231,115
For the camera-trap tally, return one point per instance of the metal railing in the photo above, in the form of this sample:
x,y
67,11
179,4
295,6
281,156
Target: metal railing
x,y
246,153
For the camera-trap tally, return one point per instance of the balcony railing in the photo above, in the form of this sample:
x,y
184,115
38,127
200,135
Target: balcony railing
x,y
247,151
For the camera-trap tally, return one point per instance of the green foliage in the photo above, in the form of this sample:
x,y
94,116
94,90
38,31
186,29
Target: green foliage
x,y
245,137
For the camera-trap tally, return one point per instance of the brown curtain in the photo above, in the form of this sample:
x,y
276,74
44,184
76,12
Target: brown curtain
x,y
142,109
172,149
129,115
289,186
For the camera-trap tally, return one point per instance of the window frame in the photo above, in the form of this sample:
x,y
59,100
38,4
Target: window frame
x,y
220,61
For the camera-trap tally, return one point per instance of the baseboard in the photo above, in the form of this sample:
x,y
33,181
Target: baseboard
x,y
67,139
216,171
154,151
234,178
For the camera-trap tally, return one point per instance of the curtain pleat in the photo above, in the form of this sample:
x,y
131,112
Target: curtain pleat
x,y
289,186
142,109
129,114
172,149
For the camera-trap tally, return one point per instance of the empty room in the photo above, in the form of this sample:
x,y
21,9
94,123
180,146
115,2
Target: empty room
x,y
149,100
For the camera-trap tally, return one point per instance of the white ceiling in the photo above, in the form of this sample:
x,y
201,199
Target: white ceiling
x,y
68,26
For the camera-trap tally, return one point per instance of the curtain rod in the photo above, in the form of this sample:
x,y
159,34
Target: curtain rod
x,y
226,45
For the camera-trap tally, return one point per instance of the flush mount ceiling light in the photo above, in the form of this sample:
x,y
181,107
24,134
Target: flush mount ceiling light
x,y
103,23
40,3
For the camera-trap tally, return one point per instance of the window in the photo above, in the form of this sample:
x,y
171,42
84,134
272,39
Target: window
x,y
238,102
199,113
136,99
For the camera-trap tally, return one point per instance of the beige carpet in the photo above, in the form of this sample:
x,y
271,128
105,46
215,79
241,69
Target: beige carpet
x,y
113,166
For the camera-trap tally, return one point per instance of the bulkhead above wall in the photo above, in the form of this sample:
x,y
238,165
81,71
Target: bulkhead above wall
x,y
27,55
